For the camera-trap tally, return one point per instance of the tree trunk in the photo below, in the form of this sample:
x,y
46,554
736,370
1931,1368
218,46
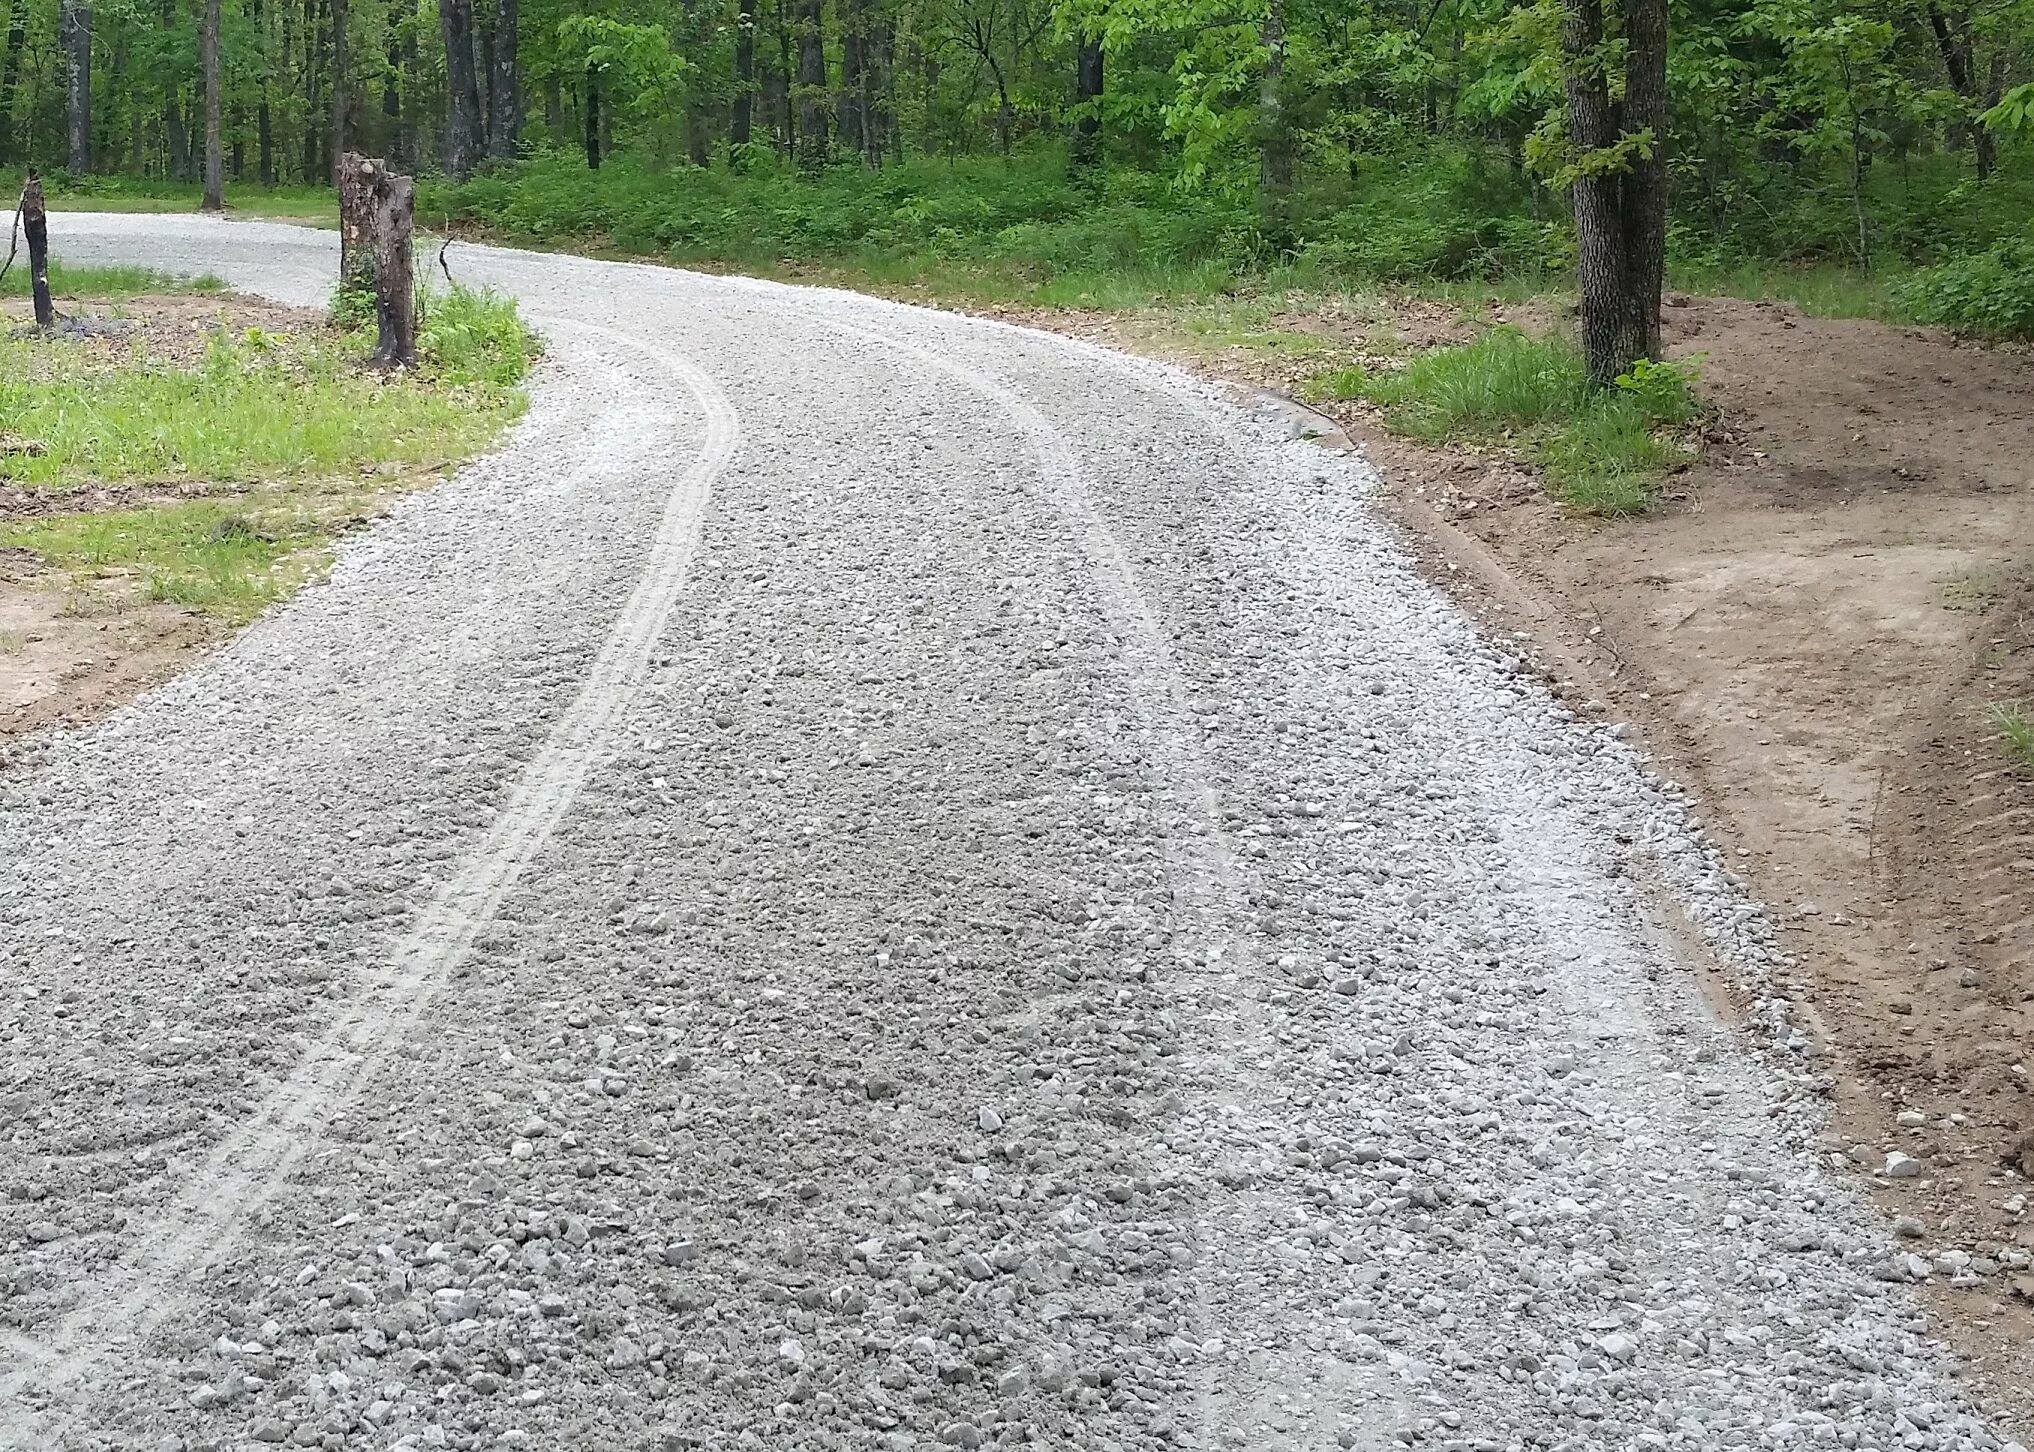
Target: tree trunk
x,y
554,110
76,25
811,84
1088,97
10,72
1620,216
592,119
745,75
357,213
395,293
851,73
463,134
341,96
1274,161
505,133
1952,39
35,226
208,45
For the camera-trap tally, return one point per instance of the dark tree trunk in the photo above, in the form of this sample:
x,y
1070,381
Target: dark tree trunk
x,y
341,97
392,105
1274,162
554,109
745,74
463,134
851,19
483,67
264,135
1620,216
357,211
35,227
10,72
215,167
395,291
1088,96
1952,39
76,25
785,129
505,130
592,119
811,84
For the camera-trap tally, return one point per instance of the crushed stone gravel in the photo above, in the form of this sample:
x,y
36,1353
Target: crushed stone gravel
x,y
878,880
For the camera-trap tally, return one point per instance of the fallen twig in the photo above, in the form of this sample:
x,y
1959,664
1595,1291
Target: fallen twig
x,y
14,242
444,247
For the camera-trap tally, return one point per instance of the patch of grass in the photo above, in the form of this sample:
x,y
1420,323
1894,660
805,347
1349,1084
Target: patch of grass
x,y
101,193
258,407
104,284
225,558
2016,733
1603,451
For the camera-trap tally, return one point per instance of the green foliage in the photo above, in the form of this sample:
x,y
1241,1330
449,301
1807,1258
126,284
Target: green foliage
x,y
2016,733
476,336
1603,451
103,284
1990,293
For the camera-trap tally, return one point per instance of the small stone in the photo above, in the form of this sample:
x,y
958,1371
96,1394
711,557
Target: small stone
x,y
626,1354
42,1232
962,1434
976,1266
791,1353
989,1119
1902,1166
1912,1119
680,1252
269,1431
1618,1346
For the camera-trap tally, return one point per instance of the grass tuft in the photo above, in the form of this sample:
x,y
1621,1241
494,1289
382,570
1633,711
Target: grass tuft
x,y
1603,451
2016,733
103,284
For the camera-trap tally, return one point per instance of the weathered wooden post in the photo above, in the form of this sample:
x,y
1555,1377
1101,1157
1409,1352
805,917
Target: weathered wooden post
x,y
395,287
356,222
35,223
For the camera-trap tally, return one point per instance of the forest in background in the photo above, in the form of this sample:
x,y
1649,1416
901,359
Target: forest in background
x,y
1084,147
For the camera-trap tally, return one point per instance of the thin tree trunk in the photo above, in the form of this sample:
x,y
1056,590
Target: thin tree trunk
x,y
1088,97
554,109
463,134
505,132
592,119
785,128
76,24
35,227
745,74
1274,162
10,72
208,45
851,12
341,96
811,84
1952,39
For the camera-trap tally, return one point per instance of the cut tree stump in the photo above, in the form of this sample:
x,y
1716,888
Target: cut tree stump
x,y
35,225
356,221
395,285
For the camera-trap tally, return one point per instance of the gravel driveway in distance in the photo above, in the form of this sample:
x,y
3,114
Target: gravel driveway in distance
x,y
879,880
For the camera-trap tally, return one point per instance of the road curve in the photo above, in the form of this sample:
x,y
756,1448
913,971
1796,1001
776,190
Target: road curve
x,y
879,880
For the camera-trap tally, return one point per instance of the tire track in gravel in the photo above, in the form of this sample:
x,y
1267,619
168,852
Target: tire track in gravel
x,y
1208,876
248,1168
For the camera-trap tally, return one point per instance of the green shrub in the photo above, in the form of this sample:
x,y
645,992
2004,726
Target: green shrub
x,y
476,336
1990,293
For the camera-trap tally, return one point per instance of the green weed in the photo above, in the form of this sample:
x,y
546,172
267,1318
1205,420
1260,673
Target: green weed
x,y
103,284
2016,732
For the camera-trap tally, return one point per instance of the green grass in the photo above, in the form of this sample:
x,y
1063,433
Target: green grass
x,y
1603,451
103,284
225,558
2016,733
66,193
288,434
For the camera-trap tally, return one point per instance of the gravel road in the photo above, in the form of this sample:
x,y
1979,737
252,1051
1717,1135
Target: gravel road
x,y
879,880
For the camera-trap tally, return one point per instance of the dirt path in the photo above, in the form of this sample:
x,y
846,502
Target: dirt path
x,y
878,880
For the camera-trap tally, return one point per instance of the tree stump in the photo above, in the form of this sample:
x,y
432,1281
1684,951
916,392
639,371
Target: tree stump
x,y
395,287
356,222
35,225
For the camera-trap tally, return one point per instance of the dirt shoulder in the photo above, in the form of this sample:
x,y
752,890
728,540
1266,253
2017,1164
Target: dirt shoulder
x,y
1809,634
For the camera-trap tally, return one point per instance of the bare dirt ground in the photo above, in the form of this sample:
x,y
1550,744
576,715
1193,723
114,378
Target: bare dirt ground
x,y
66,658
1810,633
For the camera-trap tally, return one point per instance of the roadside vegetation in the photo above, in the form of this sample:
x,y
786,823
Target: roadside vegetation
x,y
215,453
2016,733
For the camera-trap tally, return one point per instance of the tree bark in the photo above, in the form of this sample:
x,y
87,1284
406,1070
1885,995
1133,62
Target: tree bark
x,y
10,72
357,214
1952,39
35,227
592,119
341,93
1088,97
850,110
505,132
745,75
395,294
463,133
1620,215
208,45
1274,163
76,24
811,84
